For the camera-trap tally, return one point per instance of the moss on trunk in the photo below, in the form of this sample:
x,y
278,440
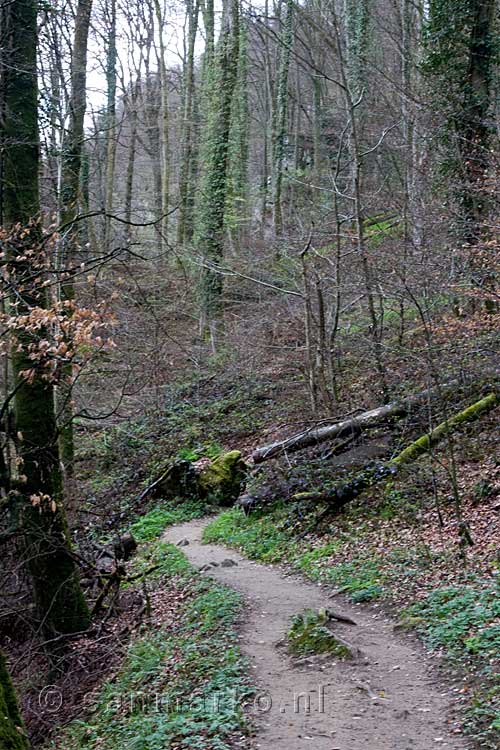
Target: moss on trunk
x,y
426,442
37,500
12,734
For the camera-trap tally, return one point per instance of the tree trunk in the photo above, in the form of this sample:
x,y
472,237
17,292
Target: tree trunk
x,y
282,116
210,230
110,123
38,503
70,199
346,491
12,734
364,421
165,156
185,171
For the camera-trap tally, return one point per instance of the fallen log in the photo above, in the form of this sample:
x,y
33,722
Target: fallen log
x,y
344,492
426,442
312,436
346,427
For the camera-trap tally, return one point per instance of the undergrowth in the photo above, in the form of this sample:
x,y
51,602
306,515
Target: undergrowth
x,y
183,680
150,525
464,621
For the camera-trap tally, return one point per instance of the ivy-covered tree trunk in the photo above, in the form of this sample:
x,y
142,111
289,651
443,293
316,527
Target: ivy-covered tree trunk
x,y
38,496
70,199
214,189
12,735
461,57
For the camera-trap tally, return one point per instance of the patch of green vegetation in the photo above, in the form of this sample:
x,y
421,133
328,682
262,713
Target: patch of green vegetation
x,y
307,562
482,720
180,687
378,229
262,537
159,559
257,536
212,451
362,578
461,618
149,526
309,635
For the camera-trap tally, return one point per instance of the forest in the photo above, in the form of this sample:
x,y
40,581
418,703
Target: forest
x,y
249,374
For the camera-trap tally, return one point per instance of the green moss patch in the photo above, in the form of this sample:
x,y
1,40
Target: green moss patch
x,y
310,635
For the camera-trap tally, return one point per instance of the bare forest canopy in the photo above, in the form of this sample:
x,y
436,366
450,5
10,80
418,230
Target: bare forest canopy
x,y
286,208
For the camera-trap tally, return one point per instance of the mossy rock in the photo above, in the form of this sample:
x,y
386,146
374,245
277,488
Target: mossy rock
x,y
178,482
310,635
224,479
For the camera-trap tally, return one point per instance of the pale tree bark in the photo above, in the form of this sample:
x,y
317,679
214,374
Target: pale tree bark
x,y
185,220
70,200
111,129
164,137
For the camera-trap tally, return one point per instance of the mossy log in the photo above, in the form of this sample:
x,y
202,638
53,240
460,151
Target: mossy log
x,y
344,492
428,441
12,734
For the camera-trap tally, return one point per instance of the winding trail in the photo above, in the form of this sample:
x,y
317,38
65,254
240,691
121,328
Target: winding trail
x,y
385,700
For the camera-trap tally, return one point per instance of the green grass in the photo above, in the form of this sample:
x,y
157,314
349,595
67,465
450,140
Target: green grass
x,y
151,525
258,536
179,686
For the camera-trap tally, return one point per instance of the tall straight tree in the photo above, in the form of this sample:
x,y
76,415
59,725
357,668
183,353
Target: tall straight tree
x,y
281,115
165,153
214,188
184,223
70,194
112,55
38,498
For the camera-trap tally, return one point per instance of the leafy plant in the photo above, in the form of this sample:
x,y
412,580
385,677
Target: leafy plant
x,y
460,618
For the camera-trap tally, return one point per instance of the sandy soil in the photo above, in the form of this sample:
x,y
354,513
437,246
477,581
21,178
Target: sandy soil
x,y
387,699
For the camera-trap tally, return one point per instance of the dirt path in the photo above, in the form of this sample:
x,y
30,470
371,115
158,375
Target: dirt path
x,y
345,712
